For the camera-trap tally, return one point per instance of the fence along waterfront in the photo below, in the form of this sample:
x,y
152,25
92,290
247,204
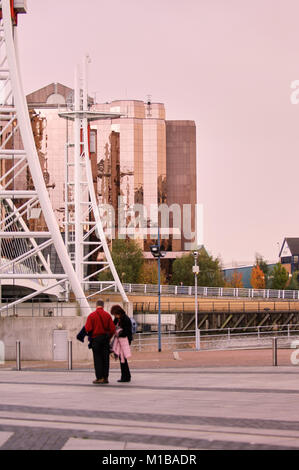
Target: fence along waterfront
x,y
212,291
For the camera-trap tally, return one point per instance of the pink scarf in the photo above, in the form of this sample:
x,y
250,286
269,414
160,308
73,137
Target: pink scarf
x,y
121,348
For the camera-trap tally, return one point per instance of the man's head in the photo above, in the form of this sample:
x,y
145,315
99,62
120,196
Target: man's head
x,y
100,303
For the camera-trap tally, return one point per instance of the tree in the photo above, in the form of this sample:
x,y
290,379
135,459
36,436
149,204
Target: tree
x,y
294,281
257,278
128,260
182,270
263,264
149,273
210,272
280,277
235,281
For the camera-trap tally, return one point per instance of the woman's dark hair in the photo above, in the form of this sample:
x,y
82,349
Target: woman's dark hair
x,y
117,310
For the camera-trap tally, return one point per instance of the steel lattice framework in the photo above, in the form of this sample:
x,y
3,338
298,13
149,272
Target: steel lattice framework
x,y
83,217
21,248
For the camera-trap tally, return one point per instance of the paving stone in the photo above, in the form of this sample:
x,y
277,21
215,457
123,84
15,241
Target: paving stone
x,y
4,436
215,408
92,444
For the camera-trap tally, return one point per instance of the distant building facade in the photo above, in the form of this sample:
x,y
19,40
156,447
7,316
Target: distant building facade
x,y
245,273
46,103
181,176
135,145
289,254
139,159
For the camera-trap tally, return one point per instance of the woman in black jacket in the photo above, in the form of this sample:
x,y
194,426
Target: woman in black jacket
x,y
122,321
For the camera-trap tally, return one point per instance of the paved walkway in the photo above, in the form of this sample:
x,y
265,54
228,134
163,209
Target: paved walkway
x,y
164,407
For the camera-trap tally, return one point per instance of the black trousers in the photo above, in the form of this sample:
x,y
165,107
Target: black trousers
x,y
125,371
101,356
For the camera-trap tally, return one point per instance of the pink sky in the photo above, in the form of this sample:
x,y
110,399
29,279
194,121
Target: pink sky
x,y
227,64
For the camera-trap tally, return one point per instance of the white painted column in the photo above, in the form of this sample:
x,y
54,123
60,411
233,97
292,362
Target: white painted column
x,y
77,179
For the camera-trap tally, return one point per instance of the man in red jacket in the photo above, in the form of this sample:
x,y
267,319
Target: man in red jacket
x,y
99,325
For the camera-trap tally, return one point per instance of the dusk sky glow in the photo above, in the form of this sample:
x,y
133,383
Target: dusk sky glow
x,y
226,64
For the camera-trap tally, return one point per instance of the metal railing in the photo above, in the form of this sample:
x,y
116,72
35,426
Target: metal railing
x,y
152,289
40,309
257,337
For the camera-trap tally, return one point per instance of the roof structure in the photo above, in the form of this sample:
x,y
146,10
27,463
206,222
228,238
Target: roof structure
x,y
290,247
52,96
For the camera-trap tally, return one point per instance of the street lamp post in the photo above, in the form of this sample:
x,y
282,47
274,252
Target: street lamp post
x,y
195,270
158,254
159,302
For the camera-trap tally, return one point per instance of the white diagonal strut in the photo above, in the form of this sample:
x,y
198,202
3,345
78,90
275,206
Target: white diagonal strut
x,y
22,179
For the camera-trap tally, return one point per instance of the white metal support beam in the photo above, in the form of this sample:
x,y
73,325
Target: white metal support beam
x,y
84,193
13,105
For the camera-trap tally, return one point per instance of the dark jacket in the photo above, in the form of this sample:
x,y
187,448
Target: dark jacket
x,y
81,336
125,324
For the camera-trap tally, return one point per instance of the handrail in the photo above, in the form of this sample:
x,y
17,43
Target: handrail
x,y
215,339
189,291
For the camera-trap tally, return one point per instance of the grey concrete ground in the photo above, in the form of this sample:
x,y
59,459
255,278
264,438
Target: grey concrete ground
x,y
195,408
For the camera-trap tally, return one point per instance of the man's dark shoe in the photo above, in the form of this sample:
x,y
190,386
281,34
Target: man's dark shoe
x,y
100,381
123,380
